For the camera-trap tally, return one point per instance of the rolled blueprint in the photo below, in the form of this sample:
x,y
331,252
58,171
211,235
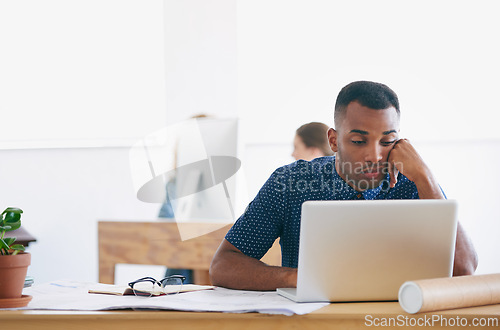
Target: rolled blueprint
x,y
449,293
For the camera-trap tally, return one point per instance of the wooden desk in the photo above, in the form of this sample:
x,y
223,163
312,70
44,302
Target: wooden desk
x,y
333,316
159,243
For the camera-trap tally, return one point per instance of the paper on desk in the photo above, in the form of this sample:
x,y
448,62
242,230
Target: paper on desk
x,y
71,295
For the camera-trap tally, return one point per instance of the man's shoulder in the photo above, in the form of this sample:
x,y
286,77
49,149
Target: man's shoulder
x,y
317,166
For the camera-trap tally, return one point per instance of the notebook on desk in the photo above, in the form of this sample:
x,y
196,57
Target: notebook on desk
x,y
365,250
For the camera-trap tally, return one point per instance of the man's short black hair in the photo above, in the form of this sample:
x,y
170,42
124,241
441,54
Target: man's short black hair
x,y
369,94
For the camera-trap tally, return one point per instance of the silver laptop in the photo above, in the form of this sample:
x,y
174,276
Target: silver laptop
x,y
365,250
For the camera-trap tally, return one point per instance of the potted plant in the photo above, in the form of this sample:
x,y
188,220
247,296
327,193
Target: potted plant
x,y
14,261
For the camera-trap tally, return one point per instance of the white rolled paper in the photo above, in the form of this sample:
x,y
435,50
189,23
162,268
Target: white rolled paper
x,y
449,293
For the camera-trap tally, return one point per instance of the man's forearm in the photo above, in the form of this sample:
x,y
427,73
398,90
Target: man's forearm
x,y
465,255
233,269
427,187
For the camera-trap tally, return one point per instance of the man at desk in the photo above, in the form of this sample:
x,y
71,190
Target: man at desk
x,y
371,162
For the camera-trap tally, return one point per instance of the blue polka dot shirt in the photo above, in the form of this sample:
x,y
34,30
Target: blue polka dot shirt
x,y
275,211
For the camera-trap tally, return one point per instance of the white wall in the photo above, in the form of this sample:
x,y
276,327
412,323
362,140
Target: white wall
x,y
439,56
63,192
467,172
80,73
81,81
200,58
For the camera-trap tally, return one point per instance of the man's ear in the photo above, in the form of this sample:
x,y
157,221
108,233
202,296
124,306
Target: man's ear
x,y
332,139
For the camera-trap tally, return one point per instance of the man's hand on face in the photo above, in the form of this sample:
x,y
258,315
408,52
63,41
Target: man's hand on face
x,y
405,159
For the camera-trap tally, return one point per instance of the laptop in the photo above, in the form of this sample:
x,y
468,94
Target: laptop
x,y
365,250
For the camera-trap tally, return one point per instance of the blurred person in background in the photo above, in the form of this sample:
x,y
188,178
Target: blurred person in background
x,y
311,141
167,211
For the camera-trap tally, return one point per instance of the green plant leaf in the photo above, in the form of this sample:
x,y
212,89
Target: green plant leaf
x,y
5,228
17,247
4,245
9,240
13,225
12,209
12,217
